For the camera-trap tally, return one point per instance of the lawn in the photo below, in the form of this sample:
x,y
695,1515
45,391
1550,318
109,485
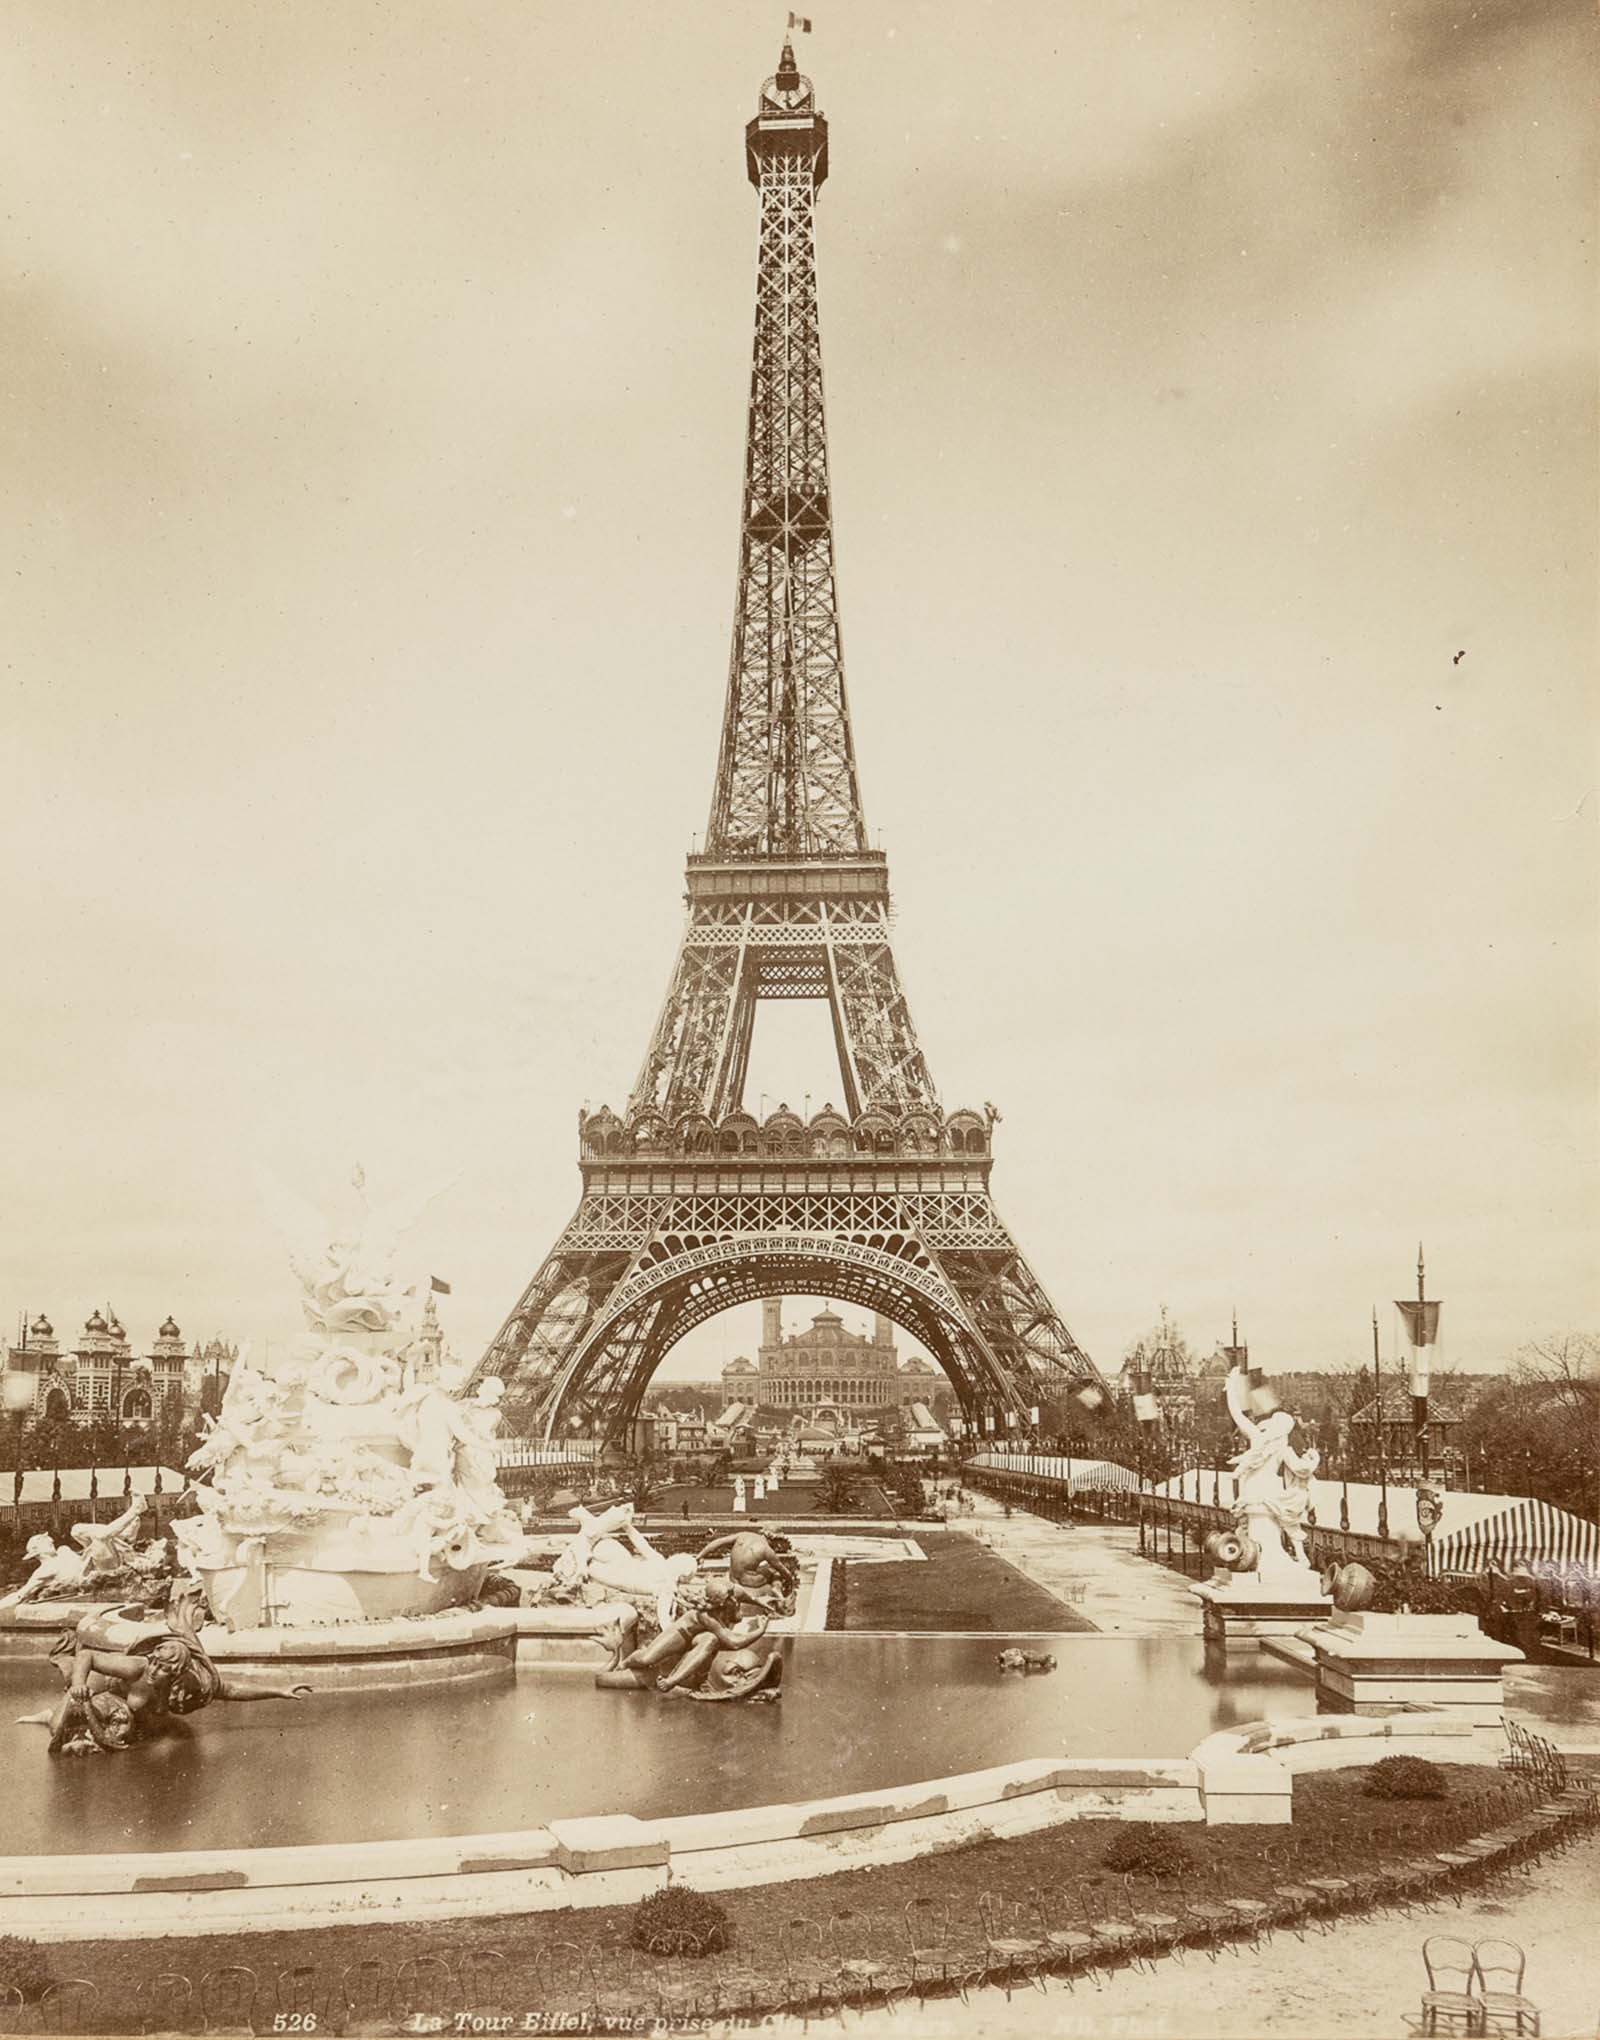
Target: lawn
x,y
963,1585
547,1964
790,1500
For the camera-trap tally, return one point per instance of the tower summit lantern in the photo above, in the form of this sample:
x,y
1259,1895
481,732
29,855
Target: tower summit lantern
x,y
689,1203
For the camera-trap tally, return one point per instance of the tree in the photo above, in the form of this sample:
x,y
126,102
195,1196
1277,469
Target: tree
x,y
837,1494
1536,1429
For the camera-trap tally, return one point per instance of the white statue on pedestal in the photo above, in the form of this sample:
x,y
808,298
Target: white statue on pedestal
x,y
738,1494
1274,1486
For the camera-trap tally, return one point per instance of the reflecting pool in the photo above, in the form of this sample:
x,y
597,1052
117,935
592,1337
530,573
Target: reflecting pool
x,y
857,1712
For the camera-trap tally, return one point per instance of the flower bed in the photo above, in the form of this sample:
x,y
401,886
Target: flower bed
x,y
580,1968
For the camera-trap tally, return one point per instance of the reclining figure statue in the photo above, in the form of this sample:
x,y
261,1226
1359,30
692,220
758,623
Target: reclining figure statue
x,y
106,1557
127,1676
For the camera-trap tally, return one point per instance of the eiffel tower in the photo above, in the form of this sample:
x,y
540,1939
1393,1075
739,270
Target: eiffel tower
x,y
690,1204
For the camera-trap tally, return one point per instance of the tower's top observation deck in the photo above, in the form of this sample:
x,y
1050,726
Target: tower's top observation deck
x,y
787,122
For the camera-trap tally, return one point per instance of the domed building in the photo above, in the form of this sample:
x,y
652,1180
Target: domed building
x,y
827,1368
101,1377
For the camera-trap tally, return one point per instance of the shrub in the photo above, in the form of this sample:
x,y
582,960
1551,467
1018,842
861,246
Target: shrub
x,y
1405,1778
678,1921
23,1968
1147,1850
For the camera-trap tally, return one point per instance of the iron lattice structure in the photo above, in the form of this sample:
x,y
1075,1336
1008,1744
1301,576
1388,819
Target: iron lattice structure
x,y
689,1205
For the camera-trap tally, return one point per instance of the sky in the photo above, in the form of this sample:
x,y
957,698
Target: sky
x,y
1212,414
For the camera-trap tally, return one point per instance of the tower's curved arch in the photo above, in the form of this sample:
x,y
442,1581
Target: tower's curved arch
x,y
619,1349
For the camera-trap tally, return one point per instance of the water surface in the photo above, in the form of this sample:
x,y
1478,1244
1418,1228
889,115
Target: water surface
x,y
857,1713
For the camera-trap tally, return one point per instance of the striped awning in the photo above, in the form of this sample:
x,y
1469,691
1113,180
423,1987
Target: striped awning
x,y
1474,1531
1077,1476
1525,1531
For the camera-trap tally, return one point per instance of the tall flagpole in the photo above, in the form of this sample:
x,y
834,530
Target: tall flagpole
x,y
1419,1402
1383,1453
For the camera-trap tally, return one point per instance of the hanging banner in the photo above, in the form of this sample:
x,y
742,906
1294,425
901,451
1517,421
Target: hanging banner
x,y
1147,1409
1422,1321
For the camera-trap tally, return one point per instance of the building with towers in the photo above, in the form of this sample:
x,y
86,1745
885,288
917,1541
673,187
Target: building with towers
x,y
826,1367
102,1376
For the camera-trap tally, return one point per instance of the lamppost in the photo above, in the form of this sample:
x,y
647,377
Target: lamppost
x,y
1146,1412
18,1400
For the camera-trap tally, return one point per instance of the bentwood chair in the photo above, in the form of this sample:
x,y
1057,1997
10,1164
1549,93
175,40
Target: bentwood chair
x,y
936,1959
1294,1901
561,1977
860,1965
615,1991
300,2001
228,1999
1010,1949
679,1983
423,1984
809,1977
165,2002
1071,1948
67,2006
481,1973
743,1986
1446,1960
1500,1967
1208,1921
363,1993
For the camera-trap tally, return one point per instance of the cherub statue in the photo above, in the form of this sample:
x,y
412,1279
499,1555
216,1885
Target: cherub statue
x,y
709,1651
762,1573
243,1438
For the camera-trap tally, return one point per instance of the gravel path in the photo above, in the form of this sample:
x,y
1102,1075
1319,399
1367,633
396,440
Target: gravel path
x,y
1362,1981
1093,1567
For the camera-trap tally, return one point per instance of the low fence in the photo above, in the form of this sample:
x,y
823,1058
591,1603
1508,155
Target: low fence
x,y
1546,1610
111,1489
522,1452
1171,1528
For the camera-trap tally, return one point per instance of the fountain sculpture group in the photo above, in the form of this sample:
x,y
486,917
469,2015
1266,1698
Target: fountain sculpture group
x,y
346,1482
347,1479
671,1627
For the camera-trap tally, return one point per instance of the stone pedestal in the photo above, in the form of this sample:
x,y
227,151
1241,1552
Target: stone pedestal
x,y
1243,1608
1372,1664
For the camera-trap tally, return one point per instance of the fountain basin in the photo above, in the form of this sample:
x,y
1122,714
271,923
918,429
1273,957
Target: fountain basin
x,y
402,1652
536,1791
